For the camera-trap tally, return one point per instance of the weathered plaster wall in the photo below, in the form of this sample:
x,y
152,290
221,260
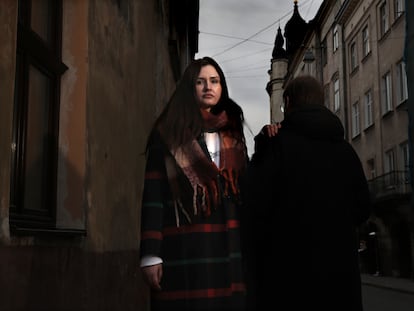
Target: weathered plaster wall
x,y
119,77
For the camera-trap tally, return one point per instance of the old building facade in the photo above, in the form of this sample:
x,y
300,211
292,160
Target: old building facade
x,y
356,49
81,83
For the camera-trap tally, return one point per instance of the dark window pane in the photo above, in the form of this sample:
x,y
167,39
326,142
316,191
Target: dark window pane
x,y
41,19
36,139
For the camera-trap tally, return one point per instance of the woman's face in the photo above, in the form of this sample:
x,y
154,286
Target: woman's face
x,y
208,87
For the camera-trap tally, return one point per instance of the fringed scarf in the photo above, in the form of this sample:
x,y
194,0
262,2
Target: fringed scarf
x,y
197,184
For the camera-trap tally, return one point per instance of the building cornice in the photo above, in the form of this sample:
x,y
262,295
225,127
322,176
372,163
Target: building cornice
x,y
345,11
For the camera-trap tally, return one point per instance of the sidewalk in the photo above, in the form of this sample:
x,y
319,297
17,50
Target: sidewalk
x,y
397,284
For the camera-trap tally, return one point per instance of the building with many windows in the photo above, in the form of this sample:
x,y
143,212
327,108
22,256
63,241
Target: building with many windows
x,y
356,49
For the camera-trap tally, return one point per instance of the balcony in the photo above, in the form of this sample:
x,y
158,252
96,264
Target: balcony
x,y
392,185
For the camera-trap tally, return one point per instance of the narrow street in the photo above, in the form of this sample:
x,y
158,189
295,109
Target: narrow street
x,y
383,299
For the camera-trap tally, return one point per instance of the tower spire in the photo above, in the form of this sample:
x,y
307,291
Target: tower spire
x,y
295,30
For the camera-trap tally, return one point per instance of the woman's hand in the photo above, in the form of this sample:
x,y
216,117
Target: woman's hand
x,y
271,129
152,275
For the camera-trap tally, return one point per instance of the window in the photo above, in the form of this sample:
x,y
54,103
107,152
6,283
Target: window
x,y
386,93
401,83
368,114
324,53
398,8
336,95
389,165
335,38
353,56
39,68
326,96
405,160
384,19
355,120
390,179
371,168
366,47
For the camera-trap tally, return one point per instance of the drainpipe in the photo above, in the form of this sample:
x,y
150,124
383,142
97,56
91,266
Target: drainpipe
x,y
343,79
409,62
409,65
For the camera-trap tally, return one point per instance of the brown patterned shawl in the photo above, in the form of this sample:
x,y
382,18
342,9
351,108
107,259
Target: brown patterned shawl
x,y
196,182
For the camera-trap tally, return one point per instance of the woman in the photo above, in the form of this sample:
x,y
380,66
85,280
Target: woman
x,y
196,156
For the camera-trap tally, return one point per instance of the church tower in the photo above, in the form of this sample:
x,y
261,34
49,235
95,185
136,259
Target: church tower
x,y
295,30
279,67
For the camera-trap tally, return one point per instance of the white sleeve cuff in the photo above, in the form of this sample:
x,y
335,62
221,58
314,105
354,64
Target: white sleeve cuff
x,y
150,261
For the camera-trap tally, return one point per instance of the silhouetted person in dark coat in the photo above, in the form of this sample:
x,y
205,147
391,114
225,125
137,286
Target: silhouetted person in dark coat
x,y
305,195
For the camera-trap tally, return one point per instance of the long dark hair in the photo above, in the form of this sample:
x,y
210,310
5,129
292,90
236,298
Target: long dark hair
x,y
181,119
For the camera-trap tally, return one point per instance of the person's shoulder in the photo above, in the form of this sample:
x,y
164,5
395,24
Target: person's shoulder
x,y
262,140
267,147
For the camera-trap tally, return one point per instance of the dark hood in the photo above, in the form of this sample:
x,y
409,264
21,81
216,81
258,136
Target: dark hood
x,y
314,121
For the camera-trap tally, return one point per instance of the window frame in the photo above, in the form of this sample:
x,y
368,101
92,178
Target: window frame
x,y
326,94
386,93
335,39
356,127
353,56
371,168
405,160
336,94
324,52
389,161
384,18
44,55
366,46
401,82
368,109
399,8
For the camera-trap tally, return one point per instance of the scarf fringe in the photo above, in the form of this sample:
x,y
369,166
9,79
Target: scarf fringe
x,y
189,169
204,201
231,182
178,205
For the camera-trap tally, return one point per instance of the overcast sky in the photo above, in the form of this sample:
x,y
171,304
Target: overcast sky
x,y
239,35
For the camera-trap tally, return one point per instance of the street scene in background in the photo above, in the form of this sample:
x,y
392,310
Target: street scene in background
x,y
358,50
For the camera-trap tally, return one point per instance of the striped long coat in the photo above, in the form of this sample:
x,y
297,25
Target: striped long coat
x,y
202,264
